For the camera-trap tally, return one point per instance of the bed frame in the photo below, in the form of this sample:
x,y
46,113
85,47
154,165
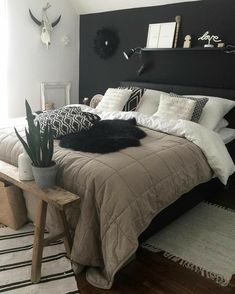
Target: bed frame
x,y
203,191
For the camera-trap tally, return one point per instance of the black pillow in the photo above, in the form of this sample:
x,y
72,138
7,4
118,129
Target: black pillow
x,y
66,120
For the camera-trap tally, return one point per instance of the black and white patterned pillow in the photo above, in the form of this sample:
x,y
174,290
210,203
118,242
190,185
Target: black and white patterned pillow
x,y
134,99
93,118
200,104
66,120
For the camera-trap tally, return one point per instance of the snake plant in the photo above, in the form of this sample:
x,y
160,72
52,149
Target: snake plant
x,y
38,144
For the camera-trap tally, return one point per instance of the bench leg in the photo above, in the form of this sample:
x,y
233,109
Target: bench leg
x,y
67,237
40,223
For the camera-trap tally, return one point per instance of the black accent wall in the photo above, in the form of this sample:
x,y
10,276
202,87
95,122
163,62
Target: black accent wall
x,y
198,68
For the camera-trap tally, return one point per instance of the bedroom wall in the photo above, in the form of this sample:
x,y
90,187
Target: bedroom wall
x,y
30,63
199,68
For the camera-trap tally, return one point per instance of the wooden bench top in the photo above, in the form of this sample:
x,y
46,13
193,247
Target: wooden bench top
x,y
56,196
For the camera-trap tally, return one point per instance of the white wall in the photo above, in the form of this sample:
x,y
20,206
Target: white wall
x,y
93,6
30,63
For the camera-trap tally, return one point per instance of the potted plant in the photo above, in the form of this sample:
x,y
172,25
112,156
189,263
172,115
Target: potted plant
x,y
39,146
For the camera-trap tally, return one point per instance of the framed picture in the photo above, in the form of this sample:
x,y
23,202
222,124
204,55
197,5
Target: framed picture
x,y
55,95
161,35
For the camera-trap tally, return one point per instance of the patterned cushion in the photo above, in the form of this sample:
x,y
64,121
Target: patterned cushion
x,y
200,104
66,120
93,118
134,99
175,108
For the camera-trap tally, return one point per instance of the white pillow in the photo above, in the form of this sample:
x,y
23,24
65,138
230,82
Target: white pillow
x,y
227,135
222,124
175,107
149,102
215,109
114,99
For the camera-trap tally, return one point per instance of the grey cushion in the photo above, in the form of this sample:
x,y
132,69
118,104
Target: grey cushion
x,y
200,104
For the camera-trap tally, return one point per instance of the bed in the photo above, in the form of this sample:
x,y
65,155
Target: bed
x,y
123,192
202,191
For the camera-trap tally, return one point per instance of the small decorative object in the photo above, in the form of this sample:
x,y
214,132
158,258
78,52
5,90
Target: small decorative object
x,y
178,21
209,38
66,40
230,49
45,24
49,106
161,35
39,147
86,101
106,42
25,167
60,91
220,45
187,42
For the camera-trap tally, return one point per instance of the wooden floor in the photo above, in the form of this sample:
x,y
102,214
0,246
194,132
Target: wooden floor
x,y
152,273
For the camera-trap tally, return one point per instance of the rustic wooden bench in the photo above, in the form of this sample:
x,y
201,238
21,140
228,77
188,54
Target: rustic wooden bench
x,y
57,197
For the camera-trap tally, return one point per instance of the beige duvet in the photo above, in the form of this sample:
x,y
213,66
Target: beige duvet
x,y
121,193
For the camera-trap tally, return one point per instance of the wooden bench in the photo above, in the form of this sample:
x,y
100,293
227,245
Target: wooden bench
x,y
57,197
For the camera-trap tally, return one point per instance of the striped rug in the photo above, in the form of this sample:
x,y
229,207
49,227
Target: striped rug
x,y
203,240
15,265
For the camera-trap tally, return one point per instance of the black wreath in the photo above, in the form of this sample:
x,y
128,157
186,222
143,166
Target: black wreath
x,y
106,42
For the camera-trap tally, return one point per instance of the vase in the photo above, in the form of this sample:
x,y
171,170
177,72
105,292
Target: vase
x,y
45,177
25,167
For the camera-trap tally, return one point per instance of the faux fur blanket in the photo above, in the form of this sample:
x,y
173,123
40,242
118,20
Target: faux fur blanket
x,y
105,136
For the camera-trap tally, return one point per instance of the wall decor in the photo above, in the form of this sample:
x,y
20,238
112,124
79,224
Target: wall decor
x,y
209,38
106,42
45,24
161,35
66,40
187,41
178,22
230,49
220,45
55,95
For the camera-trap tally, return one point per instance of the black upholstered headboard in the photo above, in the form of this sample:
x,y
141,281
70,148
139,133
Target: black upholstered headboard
x,y
189,90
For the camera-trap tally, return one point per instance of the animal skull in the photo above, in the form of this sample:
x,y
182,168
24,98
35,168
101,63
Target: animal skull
x,y
45,24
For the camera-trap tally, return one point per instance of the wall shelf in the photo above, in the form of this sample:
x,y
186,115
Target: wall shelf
x,y
184,49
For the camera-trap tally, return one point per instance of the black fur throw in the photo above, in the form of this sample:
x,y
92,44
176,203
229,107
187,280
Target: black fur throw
x,y
105,136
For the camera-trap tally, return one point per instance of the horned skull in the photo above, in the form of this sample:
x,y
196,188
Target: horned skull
x,y
45,24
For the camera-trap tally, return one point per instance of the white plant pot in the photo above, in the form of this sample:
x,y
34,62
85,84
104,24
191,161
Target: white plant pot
x,y
25,167
45,177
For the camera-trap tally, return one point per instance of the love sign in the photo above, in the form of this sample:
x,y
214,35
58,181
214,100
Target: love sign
x,y
209,38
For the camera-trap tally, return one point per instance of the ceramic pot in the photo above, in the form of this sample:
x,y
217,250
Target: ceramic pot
x,y
25,167
45,177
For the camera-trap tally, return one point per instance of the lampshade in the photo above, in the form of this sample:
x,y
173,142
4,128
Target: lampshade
x,y
141,69
128,54
144,67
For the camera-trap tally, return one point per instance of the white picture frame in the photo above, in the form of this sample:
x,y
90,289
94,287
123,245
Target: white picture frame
x,y
161,35
55,95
